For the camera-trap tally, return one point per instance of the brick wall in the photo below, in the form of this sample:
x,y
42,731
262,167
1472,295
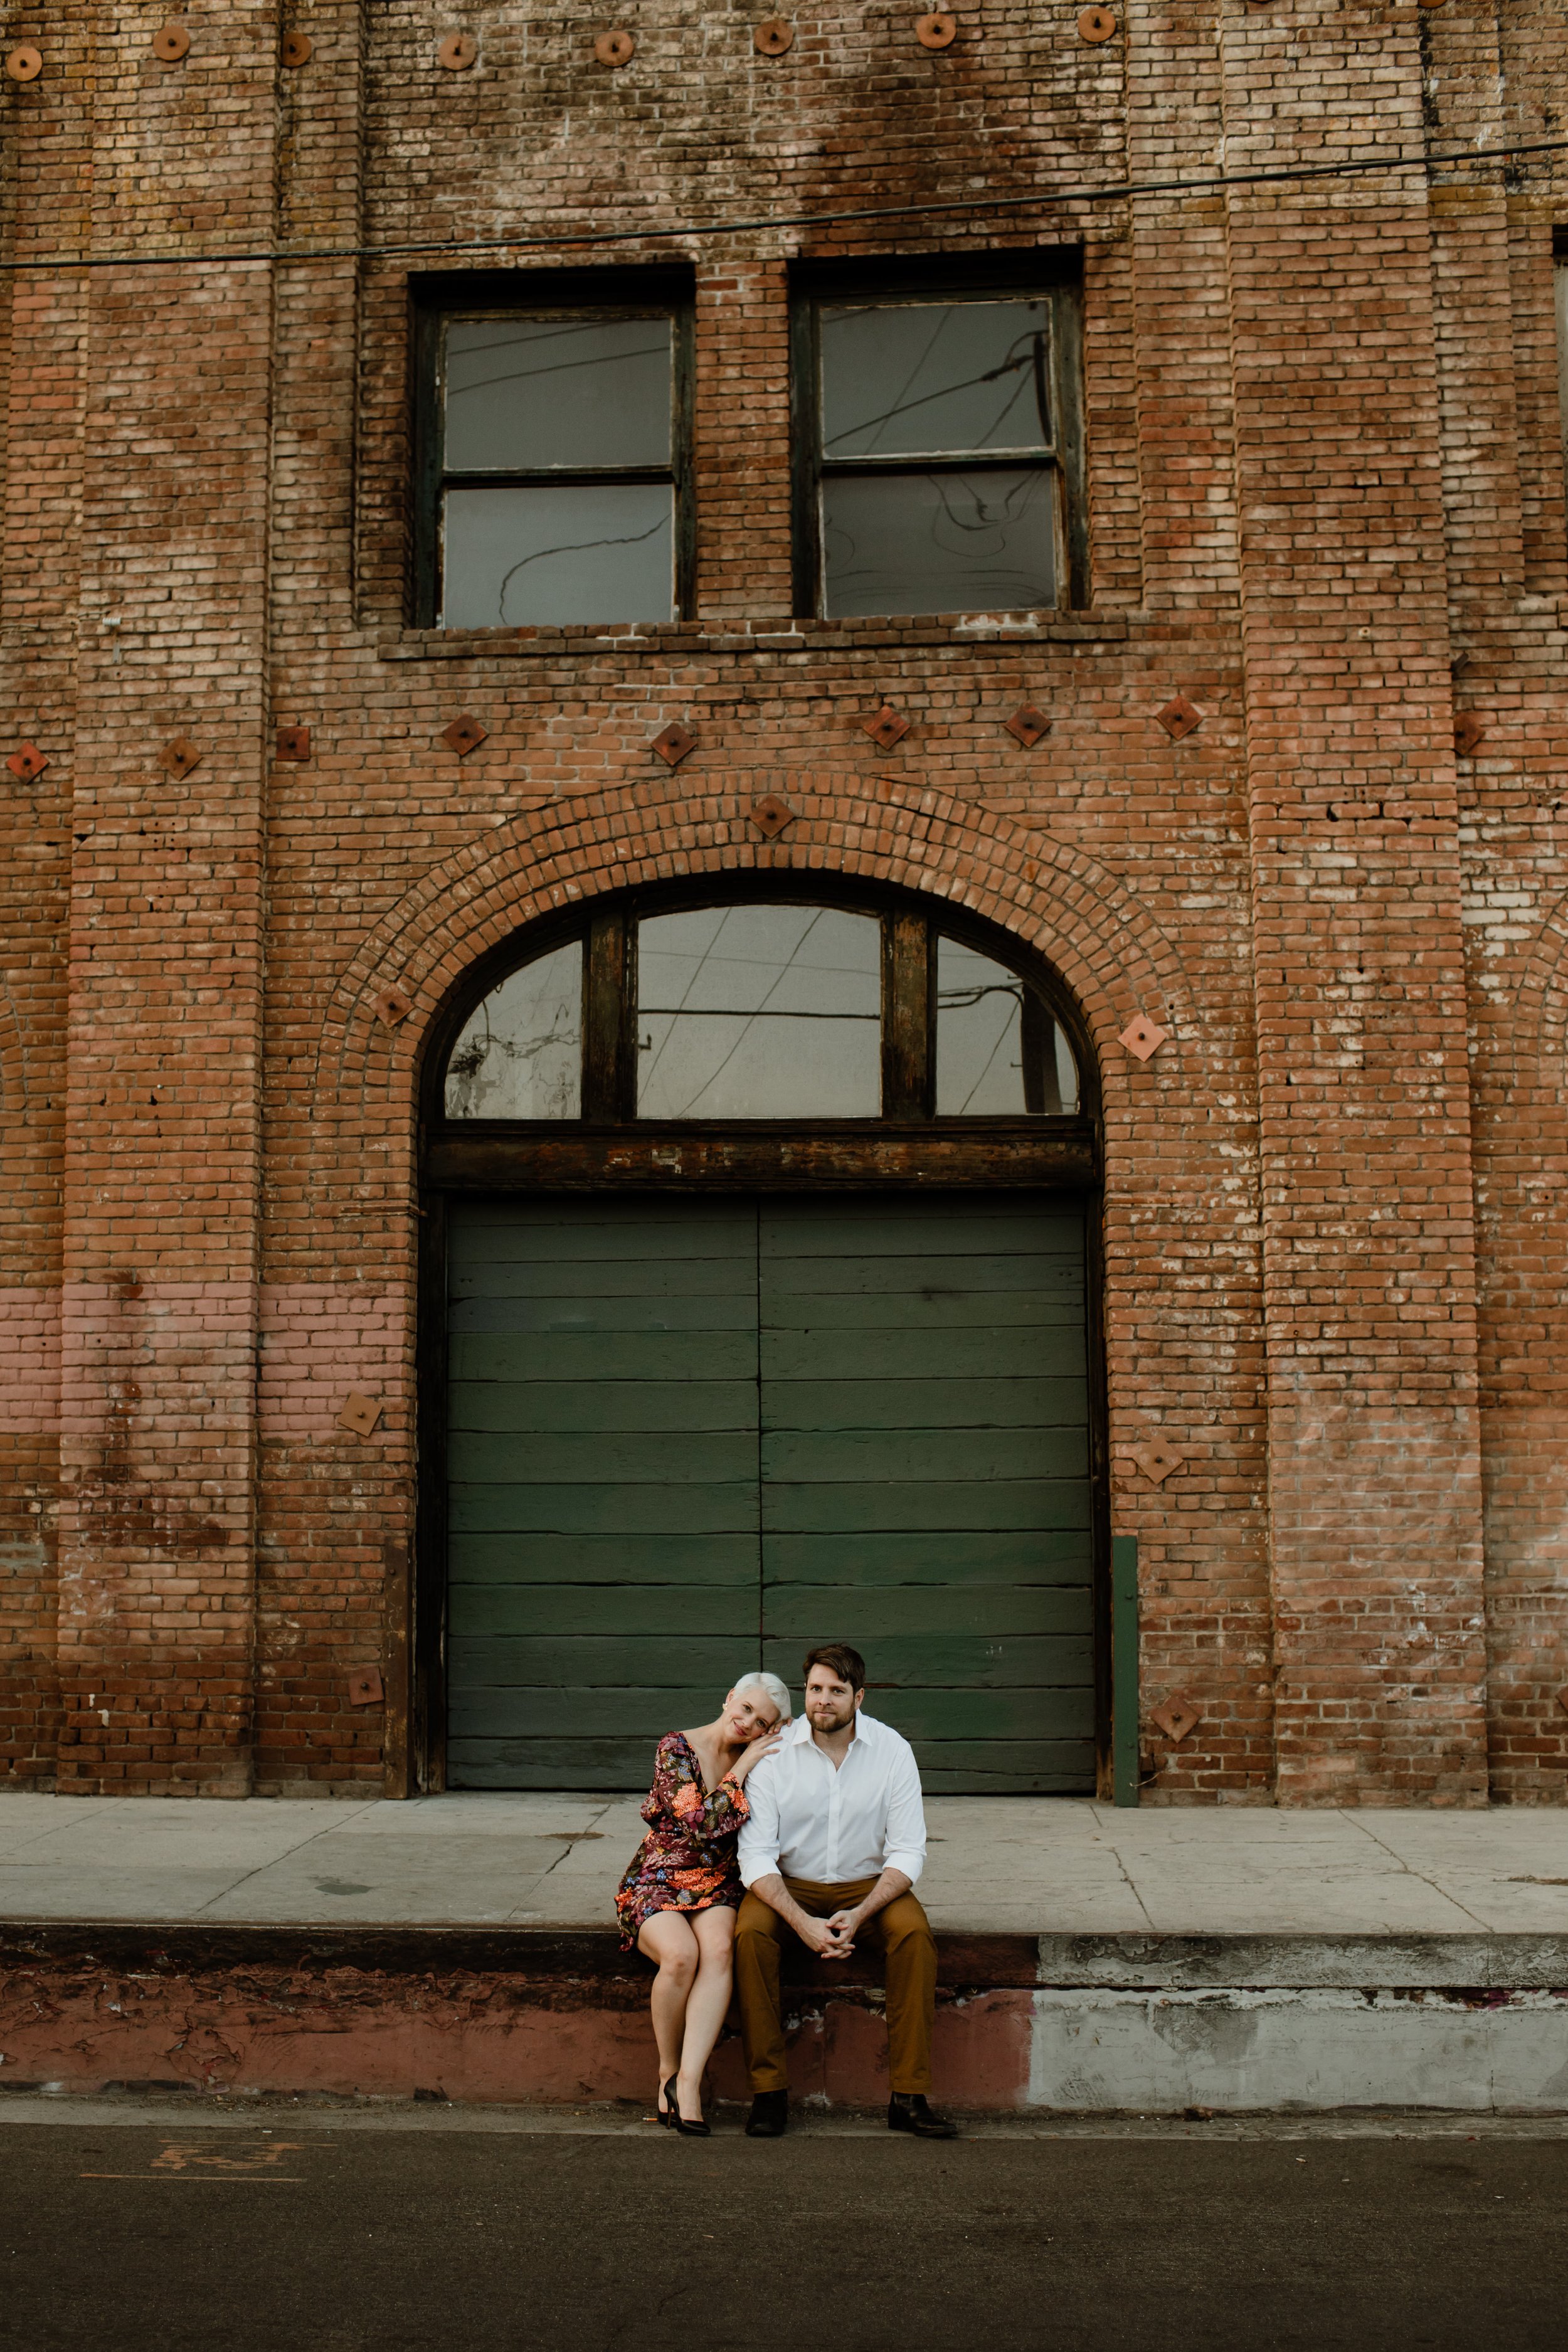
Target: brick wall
x,y
1325,502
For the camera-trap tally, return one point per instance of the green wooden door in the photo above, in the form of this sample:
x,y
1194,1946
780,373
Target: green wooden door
x,y
602,1467
687,1434
925,1473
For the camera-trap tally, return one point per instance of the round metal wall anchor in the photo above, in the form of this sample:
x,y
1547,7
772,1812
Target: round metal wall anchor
x,y
458,52
937,31
297,48
1096,25
773,38
25,64
170,43
614,48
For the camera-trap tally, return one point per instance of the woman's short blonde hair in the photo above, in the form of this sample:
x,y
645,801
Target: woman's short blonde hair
x,y
778,1692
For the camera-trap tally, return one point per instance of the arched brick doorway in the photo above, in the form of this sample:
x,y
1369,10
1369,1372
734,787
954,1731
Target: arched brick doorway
x,y
797,1342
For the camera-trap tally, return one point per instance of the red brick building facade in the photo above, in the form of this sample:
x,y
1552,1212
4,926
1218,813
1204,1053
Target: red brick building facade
x,y
1321,501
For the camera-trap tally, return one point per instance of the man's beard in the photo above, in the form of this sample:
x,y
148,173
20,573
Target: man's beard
x,y
836,1722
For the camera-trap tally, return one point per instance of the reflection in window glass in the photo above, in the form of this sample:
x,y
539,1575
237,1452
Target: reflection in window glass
x,y
918,376
758,1012
920,402
939,542
548,425
998,1051
553,554
520,1054
523,393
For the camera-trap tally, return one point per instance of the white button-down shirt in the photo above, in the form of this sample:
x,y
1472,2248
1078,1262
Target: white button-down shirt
x,y
813,1821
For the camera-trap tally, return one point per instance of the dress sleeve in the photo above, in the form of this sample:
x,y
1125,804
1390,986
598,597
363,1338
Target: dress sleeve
x,y
679,1795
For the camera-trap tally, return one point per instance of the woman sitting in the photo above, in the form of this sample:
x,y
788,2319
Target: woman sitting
x,y
682,1888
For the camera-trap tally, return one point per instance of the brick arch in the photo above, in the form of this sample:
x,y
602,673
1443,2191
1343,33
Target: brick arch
x,y
1541,1001
1048,893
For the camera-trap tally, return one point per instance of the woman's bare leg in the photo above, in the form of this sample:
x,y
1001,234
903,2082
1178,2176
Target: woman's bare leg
x,y
714,1934
666,1938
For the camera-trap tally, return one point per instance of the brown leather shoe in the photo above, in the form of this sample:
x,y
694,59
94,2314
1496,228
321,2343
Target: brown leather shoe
x,y
908,2111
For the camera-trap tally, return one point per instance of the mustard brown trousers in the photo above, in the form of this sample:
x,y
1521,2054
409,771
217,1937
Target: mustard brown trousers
x,y
902,1933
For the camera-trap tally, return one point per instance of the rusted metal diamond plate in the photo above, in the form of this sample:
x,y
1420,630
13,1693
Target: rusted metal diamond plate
x,y
773,36
180,756
1469,733
1179,718
1028,725
1142,1036
392,1006
293,743
463,735
1176,1717
1158,1459
364,1686
770,815
615,48
28,761
360,1413
673,742
937,31
886,727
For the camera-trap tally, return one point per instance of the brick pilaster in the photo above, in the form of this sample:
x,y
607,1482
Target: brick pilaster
x,y
159,1325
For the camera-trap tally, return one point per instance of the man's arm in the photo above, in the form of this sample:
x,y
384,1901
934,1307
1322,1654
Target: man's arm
x,y
889,1888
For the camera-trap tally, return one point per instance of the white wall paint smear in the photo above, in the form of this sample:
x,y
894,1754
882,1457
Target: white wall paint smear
x,y
1237,2049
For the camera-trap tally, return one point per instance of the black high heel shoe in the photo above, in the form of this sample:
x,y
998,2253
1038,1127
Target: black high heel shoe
x,y
698,2130
668,2113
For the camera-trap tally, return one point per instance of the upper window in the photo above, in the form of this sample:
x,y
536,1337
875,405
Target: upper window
x,y
761,1009
937,449
553,473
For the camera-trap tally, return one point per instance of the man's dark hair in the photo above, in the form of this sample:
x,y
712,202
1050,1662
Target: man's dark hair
x,y
840,1660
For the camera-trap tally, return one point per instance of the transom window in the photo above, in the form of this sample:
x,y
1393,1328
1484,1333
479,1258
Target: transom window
x,y
554,446
762,1010
937,449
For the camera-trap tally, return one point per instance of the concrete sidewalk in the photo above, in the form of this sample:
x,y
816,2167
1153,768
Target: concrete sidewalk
x,y
997,1866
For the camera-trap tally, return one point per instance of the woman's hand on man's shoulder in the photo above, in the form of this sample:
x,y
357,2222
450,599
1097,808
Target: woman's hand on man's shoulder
x,y
754,1755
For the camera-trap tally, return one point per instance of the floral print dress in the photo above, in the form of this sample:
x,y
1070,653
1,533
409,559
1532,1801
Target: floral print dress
x,y
688,1860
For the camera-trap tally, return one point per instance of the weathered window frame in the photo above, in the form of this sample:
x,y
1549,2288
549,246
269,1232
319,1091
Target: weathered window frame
x,y
1053,276
662,291
611,1142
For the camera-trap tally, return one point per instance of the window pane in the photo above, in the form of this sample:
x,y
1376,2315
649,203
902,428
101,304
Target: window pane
x,y
998,1051
755,1012
546,556
522,393
520,1055
936,375
971,542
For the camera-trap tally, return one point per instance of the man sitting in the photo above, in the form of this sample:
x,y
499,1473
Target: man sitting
x,y
836,1841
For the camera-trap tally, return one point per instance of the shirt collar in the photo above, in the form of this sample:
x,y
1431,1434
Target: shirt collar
x,y
799,1732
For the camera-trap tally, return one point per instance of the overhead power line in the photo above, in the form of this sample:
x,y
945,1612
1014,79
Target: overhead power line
x,y
1105,193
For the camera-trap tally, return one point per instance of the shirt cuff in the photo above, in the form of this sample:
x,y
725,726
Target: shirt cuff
x,y
758,1865
911,1863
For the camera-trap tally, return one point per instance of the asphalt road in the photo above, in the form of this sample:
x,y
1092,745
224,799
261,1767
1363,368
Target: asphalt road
x,y
304,2237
